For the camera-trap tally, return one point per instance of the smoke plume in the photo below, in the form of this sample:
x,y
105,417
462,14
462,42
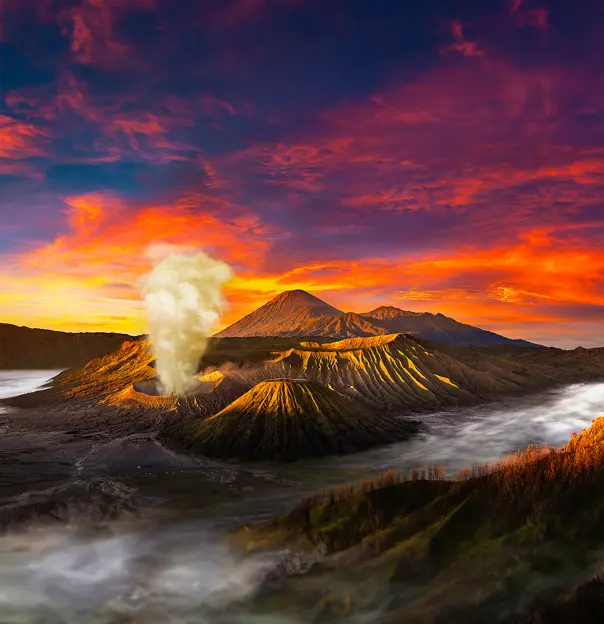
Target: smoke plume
x,y
184,300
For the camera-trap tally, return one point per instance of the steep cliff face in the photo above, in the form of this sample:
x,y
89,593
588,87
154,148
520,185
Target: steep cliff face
x,y
24,347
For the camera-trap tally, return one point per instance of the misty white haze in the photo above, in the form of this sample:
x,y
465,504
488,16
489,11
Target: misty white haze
x,y
185,572
184,300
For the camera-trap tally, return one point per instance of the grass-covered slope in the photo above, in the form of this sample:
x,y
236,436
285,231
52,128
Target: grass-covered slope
x,y
288,419
495,546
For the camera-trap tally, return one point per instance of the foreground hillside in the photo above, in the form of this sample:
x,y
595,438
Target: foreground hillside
x,y
298,313
27,348
509,544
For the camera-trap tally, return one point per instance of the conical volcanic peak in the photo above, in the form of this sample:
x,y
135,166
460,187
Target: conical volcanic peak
x,y
291,313
293,299
289,419
298,313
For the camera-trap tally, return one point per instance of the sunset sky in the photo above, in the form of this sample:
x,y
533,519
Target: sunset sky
x,y
443,156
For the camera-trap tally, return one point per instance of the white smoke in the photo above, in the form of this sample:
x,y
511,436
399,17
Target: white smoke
x,y
184,300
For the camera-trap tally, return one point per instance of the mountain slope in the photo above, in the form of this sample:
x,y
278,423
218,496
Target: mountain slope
x,y
348,325
386,375
535,520
29,348
437,327
298,313
287,313
289,419
391,372
396,372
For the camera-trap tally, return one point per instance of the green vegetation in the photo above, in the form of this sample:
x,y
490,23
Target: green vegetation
x,y
498,544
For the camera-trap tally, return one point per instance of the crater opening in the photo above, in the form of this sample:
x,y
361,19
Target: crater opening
x,y
153,387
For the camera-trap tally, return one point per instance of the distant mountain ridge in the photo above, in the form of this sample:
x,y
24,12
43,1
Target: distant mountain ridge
x,y
298,313
30,348
438,328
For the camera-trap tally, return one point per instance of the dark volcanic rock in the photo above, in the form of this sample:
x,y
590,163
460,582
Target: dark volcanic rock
x,y
95,499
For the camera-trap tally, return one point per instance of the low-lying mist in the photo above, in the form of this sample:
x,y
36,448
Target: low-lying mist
x,y
178,568
180,574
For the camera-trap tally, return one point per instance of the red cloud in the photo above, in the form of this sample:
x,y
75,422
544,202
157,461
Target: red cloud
x,y
20,140
457,137
124,127
215,106
460,44
91,27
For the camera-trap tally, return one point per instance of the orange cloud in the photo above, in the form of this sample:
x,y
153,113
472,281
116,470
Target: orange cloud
x,y
20,140
525,290
91,272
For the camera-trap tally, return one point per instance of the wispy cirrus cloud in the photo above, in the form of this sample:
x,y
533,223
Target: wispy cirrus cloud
x,y
20,140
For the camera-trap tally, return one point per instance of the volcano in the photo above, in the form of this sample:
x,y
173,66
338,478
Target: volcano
x,y
437,327
298,313
289,419
288,314
342,385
